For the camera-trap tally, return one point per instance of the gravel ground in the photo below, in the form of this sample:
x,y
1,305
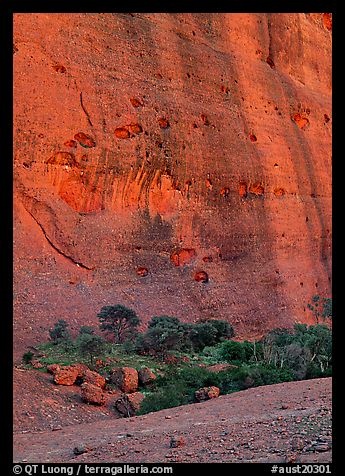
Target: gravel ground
x,y
288,422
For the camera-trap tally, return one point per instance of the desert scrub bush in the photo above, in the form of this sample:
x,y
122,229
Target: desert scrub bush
x,y
90,346
177,387
172,395
120,322
60,333
212,355
267,375
167,333
27,357
321,308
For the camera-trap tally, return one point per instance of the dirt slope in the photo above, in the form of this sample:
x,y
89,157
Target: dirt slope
x,y
276,423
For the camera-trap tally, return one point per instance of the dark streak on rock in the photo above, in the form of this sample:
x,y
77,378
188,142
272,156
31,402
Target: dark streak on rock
x,y
78,263
83,108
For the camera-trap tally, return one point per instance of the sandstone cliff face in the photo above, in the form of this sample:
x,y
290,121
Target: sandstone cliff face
x,y
178,143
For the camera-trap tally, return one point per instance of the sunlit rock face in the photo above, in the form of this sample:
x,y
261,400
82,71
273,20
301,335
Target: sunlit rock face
x,y
177,143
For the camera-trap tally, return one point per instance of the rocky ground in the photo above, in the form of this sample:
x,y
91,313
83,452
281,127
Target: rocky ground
x,y
288,422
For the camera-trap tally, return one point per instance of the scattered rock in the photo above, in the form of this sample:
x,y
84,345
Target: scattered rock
x,y
177,441
36,364
94,378
208,184
206,393
136,102
297,443
66,375
142,271
242,189
92,394
125,132
327,21
284,406
62,158
135,129
80,449
279,192
321,447
125,378
163,123
292,458
205,120
122,133
225,191
81,369
301,121
146,376
53,368
100,363
129,405
59,68
183,256
256,189
85,140
201,276
71,143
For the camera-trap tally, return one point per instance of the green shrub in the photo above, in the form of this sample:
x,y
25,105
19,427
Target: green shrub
x,y
223,328
197,377
172,395
158,341
86,330
59,332
233,380
168,333
232,351
212,354
90,346
165,322
27,357
209,333
119,321
321,307
164,334
269,375
202,335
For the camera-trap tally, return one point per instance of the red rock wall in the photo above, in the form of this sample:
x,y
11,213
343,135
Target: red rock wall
x,y
140,135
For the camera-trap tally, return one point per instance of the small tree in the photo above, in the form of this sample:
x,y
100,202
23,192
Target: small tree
x,y
223,328
90,346
327,308
59,332
120,321
321,308
27,357
231,350
86,330
164,333
203,334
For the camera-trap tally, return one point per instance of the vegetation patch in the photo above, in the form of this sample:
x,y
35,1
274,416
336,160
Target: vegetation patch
x,y
188,357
